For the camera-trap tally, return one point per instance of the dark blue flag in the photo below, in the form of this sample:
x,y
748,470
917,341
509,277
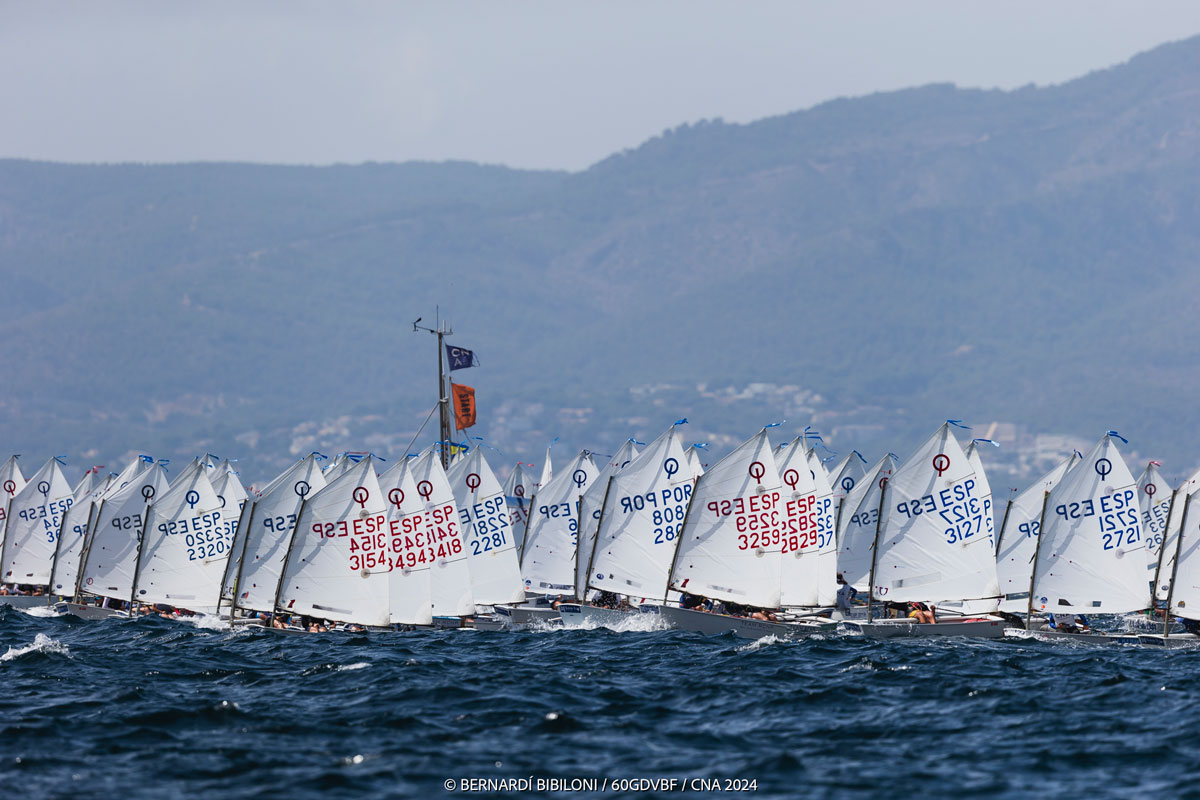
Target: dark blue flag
x,y
460,358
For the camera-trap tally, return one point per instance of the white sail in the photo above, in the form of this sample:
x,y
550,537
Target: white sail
x,y
1018,539
548,559
235,510
110,557
731,543
848,473
1185,597
487,531
450,577
825,509
262,542
935,539
858,522
1168,547
1090,559
591,506
35,517
11,482
547,470
695,462
1154,498
803,544
519,489
338,564
413,547
73,533
644,507
188,535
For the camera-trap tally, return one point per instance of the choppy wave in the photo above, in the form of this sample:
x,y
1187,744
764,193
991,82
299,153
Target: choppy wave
x,y
155,708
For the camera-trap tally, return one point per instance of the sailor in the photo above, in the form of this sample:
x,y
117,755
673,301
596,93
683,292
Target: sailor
x,y
1069,623
845,594
918,612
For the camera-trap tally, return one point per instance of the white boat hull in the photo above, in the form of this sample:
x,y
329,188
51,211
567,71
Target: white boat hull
x,y
87,611
1093,637
521,616
25,600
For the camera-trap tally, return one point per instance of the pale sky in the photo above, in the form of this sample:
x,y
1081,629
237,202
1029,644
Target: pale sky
x,y
529,84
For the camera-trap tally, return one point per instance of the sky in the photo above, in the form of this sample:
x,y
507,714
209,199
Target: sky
x,y
540,85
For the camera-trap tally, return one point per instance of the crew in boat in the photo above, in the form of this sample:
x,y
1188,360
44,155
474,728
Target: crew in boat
x,y
919,612
694,602
845,594
1069,623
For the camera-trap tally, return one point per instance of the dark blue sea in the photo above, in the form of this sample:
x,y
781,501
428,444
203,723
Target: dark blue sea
x,y
156,708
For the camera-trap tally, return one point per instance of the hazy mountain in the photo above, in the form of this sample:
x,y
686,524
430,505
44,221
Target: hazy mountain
x,y
885,262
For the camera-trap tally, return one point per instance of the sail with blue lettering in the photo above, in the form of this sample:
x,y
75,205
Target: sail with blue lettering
x,y
11,482
644,507
1018,539
261,541
548,558
825,509
450,576
1090,559
936,540
487,531
858,523
35,516
800,578
519,489
731,544
847,474
338,565
411,545
188,536
73,533
591,505
111,552
1155,498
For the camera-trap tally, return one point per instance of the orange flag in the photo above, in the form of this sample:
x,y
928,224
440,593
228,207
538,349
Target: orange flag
x,y
464,405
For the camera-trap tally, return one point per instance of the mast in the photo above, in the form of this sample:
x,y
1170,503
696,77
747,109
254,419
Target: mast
x,y
1174,569
442,331
582,591
1162,548
248,513
678,540
1003,525
1037,548
287,557
875,546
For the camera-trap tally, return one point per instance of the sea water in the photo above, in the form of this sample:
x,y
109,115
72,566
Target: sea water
x,y
155,708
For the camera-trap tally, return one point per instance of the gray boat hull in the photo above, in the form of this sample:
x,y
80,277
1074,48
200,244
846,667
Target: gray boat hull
x,y
711,624
522,616
887,629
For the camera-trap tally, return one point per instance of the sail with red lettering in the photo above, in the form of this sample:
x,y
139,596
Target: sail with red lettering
x,y
1154,498
519,489
591,506
802,544
1090,559
548,559
644,507
487,531
730,547
110,554
858,522
825,509
450,576
35,516
410,587
1018,539
73,533
188,536
338,565
936,541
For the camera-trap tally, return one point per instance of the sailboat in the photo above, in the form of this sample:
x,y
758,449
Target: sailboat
x,y
1018,539
1183,585
338,564
858,521
11,482
519,488
591,506
111,553
72,534
1089,555
186,545
1156,500
35,515
412,548
640,510
450,575
825,512
491,548
934,543
1165,565
807,579
730,547
263,536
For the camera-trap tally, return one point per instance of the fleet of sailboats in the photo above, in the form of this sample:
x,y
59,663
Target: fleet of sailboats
x,y
756,544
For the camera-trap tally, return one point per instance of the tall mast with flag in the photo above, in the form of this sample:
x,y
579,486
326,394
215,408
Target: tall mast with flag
x,y
463,396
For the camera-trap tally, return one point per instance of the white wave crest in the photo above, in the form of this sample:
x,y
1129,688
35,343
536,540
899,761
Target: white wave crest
x,y
41,611
208,622
352,667
758,644
41,644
